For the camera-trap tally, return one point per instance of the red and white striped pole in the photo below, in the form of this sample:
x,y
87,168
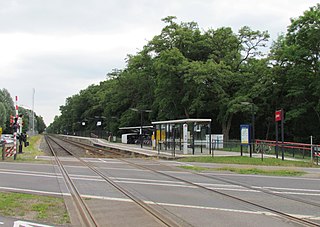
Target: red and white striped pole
x,y
15,133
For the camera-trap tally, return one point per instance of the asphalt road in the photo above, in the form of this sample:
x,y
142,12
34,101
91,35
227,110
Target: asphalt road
x,y
192,204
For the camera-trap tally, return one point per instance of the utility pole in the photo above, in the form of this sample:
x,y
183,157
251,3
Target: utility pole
x,y
33,93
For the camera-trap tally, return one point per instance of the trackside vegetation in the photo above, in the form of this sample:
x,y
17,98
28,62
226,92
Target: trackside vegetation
x,y
248,161
246,165
30,152
186,71
44,209
255,171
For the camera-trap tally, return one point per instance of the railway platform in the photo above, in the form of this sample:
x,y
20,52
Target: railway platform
x,y
146,150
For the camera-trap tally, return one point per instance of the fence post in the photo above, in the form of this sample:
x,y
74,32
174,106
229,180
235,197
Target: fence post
x,y
214,146
311,148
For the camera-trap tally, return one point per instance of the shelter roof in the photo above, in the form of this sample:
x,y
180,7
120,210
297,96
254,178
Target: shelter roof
x,y
136,127
181,121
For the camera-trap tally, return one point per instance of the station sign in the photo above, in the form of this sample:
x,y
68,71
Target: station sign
x,y
278,115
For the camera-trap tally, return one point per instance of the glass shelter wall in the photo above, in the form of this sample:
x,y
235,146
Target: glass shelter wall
x,y
186,136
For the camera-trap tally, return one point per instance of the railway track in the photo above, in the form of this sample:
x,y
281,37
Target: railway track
x,y
118,155
87,216
274,211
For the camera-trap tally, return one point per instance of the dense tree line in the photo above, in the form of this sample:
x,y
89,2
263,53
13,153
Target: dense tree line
x,y
7,108
185,72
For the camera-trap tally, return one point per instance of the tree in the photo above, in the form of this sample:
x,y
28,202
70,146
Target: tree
x,y
171,91
3,116
222,81
296,63
41,126
8,105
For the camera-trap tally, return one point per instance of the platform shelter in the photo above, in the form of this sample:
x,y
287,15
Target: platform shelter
x,y
183,136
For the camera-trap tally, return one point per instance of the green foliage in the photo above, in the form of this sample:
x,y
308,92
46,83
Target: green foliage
x,y
6,109
297,56
3,119
34,207
243,160
185,72
255,171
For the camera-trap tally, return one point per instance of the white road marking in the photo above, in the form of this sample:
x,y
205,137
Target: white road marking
x,y
226,187
28,224
34,191
159,203
290,189
202,207
155,184
1,223
110,161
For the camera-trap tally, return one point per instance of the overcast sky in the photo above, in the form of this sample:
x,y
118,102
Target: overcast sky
x,y
59,47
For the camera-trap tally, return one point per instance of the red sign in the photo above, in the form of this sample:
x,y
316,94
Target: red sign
x,y
278,115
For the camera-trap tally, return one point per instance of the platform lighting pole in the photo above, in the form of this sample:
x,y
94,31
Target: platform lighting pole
x,y
141,122
252,126
99,124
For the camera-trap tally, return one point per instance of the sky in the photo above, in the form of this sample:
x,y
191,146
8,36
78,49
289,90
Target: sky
x,y
60,47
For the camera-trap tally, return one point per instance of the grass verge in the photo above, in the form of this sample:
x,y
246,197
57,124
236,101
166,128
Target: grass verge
x,y
45,209
248,161
30,152
255,171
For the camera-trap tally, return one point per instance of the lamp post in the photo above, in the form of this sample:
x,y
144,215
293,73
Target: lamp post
x,y
252,126
141,122
99,124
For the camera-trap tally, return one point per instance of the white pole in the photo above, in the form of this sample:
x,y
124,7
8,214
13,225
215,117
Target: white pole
x,y
33,92
185,139
17,107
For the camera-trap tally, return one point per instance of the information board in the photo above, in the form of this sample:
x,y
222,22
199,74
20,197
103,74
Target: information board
x,y
245,134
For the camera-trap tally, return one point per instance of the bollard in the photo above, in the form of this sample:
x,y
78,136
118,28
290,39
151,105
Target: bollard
x,y
8,152
3,151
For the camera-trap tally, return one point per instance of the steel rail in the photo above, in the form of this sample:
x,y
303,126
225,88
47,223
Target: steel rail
x,y
79,144
86,216
279,213
160,217
95,149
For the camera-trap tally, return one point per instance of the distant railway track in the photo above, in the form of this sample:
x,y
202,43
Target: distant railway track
x,y
301,221
86,214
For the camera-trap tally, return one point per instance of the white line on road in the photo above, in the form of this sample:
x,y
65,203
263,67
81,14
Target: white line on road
x,y
292,191
29,224
33,191
203,207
